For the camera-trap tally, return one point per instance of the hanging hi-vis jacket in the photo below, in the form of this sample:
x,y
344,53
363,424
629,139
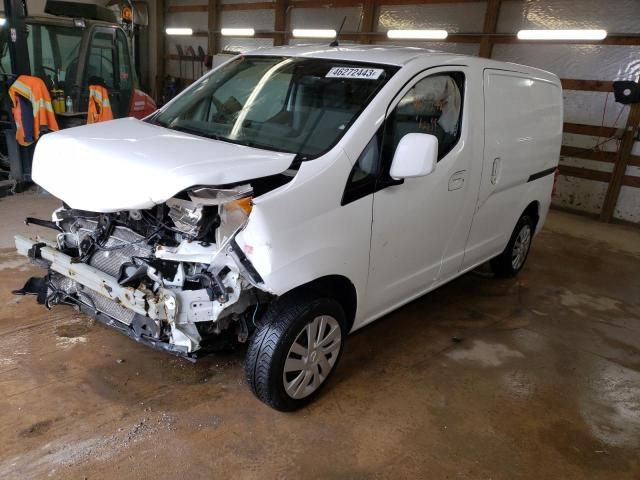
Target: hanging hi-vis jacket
x,y
99,105
32,110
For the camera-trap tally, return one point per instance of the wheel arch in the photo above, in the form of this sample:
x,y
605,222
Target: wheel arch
x,y
338,287
533,210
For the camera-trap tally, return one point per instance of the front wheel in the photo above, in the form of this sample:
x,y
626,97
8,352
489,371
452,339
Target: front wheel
x,y
295,350
512,259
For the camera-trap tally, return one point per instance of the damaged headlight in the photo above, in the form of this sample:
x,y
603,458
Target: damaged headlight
x,y
232,216
186,216
221,209
219,196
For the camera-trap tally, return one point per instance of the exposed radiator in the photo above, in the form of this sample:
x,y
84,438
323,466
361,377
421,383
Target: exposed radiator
x,y
110,261
108,307
93,300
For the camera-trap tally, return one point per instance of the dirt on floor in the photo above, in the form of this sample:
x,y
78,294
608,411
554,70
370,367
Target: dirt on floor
x,y
533,377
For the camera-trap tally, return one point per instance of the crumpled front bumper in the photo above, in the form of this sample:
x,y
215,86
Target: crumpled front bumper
x,y
92,278
145,307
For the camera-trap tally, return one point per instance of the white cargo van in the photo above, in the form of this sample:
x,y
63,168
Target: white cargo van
x,y
293,195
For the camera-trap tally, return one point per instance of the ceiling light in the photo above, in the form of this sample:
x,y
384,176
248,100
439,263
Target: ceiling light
x,y
179,31
418,34
237,32
562,34
2,21
313,33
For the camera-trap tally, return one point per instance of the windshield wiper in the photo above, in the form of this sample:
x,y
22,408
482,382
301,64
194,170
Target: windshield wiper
x,y
154,120
215,136
192,131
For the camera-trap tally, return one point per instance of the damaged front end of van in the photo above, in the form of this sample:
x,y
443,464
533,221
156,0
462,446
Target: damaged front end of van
x,y
160,266
172,276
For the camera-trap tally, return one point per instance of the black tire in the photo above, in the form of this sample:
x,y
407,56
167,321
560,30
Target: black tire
x,y
505,265
269,347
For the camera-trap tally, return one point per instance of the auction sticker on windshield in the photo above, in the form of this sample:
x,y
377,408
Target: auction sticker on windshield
x,y
352,72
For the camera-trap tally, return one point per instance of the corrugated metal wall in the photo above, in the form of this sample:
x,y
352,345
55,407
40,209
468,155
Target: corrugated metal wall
x,y
584,62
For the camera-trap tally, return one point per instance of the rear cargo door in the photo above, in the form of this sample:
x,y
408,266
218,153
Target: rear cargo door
x,y
520,116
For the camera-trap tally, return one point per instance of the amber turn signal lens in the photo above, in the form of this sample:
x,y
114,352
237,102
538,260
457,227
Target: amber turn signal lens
x,y
127,14
243,203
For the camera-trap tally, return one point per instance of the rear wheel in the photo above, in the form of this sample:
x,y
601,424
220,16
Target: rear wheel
x,y
512,259
295,350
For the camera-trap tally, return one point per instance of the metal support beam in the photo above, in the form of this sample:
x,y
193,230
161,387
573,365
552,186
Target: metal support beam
x,y
620,167
368,23
490,24
280,22
160,48
213,19
16,13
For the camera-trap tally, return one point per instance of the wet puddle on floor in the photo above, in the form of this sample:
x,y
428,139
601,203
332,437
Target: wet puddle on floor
x,y
11,261
484,354
73,330
579,301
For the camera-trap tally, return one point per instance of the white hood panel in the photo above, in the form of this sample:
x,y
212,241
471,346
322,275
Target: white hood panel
x,y
128,164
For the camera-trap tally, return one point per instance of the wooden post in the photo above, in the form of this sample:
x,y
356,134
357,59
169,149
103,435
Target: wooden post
x,y
490,24
212,26
368,20
620,167
280,22
160,49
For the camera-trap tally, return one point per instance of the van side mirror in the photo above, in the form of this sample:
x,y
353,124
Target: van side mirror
x,y
416,156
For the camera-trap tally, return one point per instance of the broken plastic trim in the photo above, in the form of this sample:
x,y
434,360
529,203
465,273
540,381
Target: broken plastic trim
x,y
35,286
248,270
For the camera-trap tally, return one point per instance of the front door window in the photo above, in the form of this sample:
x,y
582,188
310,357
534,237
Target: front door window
x,y
434,106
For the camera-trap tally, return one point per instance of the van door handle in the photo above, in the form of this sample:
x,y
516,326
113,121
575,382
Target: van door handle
x,y
456,181
495,170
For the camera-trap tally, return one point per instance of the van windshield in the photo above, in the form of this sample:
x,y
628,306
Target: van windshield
x,y
287,104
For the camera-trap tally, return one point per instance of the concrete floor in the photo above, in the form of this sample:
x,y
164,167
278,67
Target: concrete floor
x,y
544,382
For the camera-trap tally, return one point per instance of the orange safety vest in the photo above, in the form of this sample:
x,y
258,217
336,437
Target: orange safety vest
x,y
99,105
31,90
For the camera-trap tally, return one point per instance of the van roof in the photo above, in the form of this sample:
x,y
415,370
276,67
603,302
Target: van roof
x,y
393,55
386,54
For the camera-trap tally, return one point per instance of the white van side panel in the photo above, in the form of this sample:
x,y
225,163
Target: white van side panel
x,y
523,134
300,232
